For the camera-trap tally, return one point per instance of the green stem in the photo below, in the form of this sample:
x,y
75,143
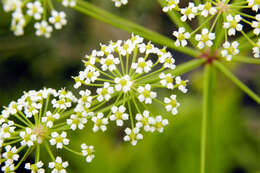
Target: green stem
x,y
180,69
47,146
236,81
207,110
119,22
245,59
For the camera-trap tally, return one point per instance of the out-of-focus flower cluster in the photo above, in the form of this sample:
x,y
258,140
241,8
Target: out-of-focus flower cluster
x,y
233,19
118,3
126,76
36,122
42,13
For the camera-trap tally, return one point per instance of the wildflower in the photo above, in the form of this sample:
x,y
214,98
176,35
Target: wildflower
x,y
160,123
189,12
123,83
50,118
35,168
233,24
256,50
146,95
167,80
105,93
10,154
171,104
88,152
86,98
127,86
207,9
142,66
35,9
230,50
58,166
43,28
144,120
28,137
171,4
205,38
256,25
59,140
100,122
181,36
76,122
133,135
58,19
119,115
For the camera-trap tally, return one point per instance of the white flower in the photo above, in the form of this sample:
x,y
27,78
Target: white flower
x,y
58,19
18,23
50,118
58,166
171,104
8,168
160,123
63,103
181,36
28,137
171,4
10,154
123,83
35,9
7,129
43,28
142,65
144,121
168,62
254,5
189,12
59,139
230,50
86,98
119,115
35,168
146,95
68,3
232,24
76,122
205,38
181,84
133,135
256,50
109,63
167,80
105,92
88,152
207,9
100,122
118,3
12,5
256,25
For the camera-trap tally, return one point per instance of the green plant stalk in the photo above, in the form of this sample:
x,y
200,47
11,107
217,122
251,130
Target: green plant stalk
x,y
119,22
207,111
245,59
236,81
180,69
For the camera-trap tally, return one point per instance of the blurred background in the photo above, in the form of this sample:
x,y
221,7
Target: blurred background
x,y
31,62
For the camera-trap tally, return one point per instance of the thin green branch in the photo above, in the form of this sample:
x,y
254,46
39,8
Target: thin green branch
x,y
180,69
236,81
245,59
119,22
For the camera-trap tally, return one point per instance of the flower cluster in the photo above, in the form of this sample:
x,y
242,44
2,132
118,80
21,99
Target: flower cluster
x,y
225,14
126,76
37,120
42,13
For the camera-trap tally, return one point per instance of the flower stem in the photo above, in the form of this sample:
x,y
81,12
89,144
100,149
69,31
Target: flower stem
x,y
236,81
207,110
